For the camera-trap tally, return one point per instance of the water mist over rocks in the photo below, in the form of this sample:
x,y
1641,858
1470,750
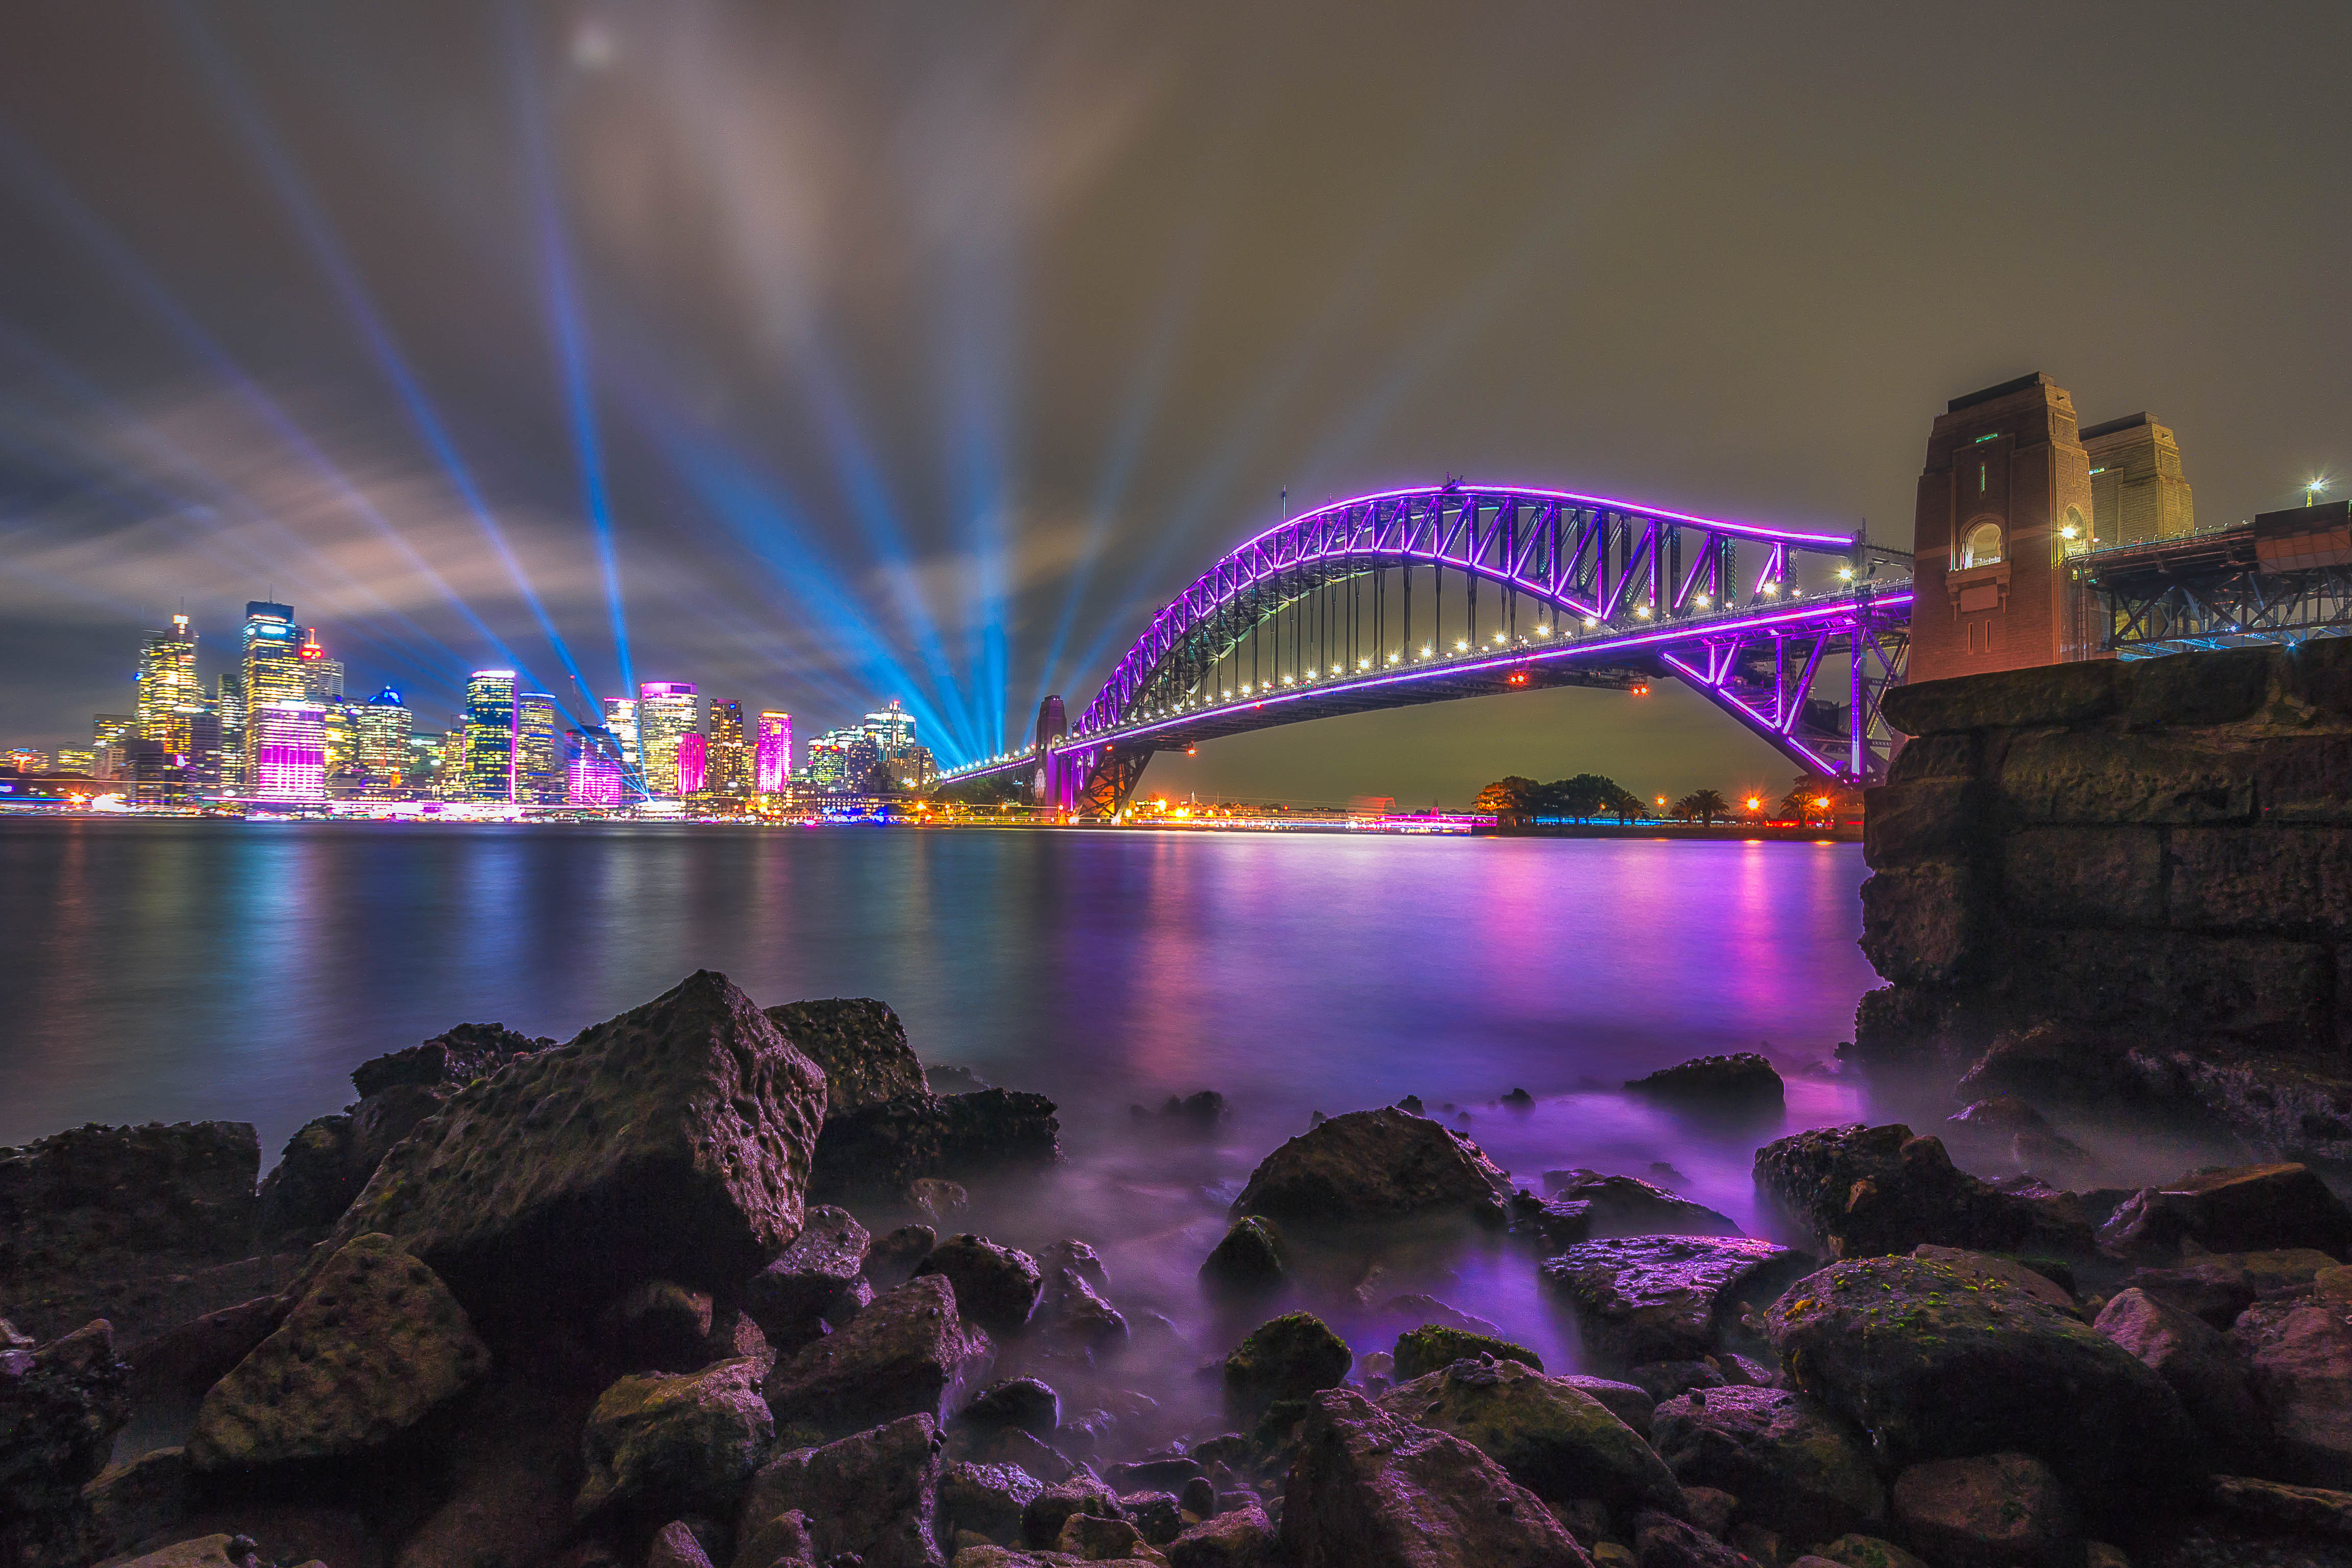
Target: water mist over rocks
x,y
663,1295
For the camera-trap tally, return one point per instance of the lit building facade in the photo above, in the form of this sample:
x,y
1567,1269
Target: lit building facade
x,y
269,667
892,728
489,745
168,684
596,768
322,678
289,752
730,759
621,719
693,762
385,727
110,736
539,755
772,759
667,712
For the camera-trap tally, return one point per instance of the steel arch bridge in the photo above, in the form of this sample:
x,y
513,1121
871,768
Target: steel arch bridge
x,y
1317,617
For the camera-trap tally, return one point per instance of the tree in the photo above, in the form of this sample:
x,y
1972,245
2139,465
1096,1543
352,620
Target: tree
x,y
1816,799
989,789
1512,799
1708,806
1582,798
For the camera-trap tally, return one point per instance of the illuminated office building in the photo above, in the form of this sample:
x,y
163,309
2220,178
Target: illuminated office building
x,y
204,760
668,710
72,760
385,727
893,729
730,759
693,762
489,748
288,742
110,736
449,764
229,701
539,753
621,719
772,762
915,768
269,667
596,768
322,678
168,683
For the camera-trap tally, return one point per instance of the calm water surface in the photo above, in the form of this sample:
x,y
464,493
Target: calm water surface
x,y
177,970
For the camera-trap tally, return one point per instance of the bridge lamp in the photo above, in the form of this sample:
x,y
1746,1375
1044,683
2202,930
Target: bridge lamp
x,y
1461,645
1700,600
1591,621
1643,611
1771,587
1543,631
1753,804
1363,664
1335,669
1425,652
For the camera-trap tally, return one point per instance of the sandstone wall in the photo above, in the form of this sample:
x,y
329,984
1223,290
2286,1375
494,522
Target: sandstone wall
x,y
2127,878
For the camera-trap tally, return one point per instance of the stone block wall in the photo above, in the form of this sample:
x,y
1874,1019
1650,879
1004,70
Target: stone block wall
x,y
2126,878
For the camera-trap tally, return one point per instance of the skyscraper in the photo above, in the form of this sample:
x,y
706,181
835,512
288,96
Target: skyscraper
x,y
730,761
539,756
693,762
322,678
289,752
666,711
167,683
621,719
229,701
489,746
110,736
270,670
385,726
774,758
893,728
595,767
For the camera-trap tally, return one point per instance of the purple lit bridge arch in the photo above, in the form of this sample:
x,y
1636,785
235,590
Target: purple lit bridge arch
x,y
1376,603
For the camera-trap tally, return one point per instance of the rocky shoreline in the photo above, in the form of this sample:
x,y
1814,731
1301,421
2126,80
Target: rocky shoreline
x,y
642,1300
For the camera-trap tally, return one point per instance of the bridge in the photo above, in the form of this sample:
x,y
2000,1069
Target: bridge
x,y
1375,603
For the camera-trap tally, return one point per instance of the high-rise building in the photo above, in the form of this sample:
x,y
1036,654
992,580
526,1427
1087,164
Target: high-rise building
x,y
893,729
449,763
915,768
621,719
168,683
693,762
342,734
539,753
109,737
2137,493
666,711
489,746
204,759
730,759
385,727
773,759
828,761
74,760
288,740
595,767
322,678
269,665
229,701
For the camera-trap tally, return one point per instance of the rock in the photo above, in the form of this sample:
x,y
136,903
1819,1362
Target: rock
x,y
1933,1363
1199,1112
2202,1366
1091,1538
996,1287
859,1043
1743,1082
60,1405
462,1054
1370,1491
1586,1204
1412,1311
214,1550
937,1199
2273,1505
2008,1270
788,1295
1286,1358
1431,1346
142,1497
312,1184
1868,1551
1660,1381
1556,1440
1793,1467
375,1344
671,1142
883,1148
986,1499
1622,1400
1049,1511
2217,1286
1240,1538
2300,1353
908,1353
1021,1402
1073,1319
1870,1191
1248,1258
2234,1209
511,1470
2005,1115
871,1498
1661,1540
1371,1165
676,1547
1666,1298
893,1256
1156,1515
1996,1511
657,1325
661,1446
1077,1257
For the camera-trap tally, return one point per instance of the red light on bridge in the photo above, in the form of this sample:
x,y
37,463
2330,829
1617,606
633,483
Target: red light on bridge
x,y
1641,692
1191,750
1518,678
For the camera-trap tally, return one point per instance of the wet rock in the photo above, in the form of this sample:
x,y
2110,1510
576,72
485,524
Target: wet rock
x,y
787,1297
1995,1511
676,1547
216,1550
2217,1287
1249,1258
1240,1538
937,1199
1935,1364
1370,1491
672,1141
1795,1466
908,1353
1284,1360
1199,1497
1412,1309
2008,1270
1519,1100
1090,1538
1661,1540
2300,1353
1077,1257
312,1184
870,1498
859,1043
1663,1380
1198,1113
1431,1346
883,1148
1742,1081
1157,1516
1021,1402
133,1501
60,1405
661,1446
2310,1511
373,1346
2003,1115
512,1472
1374,1165
1073,1319
2233,1209
1622,1400
1868,1551
986,1499
996,1287
1871,1191
2191,1355
894,1254
464,1055
1049,1511
1710,1509
1666,1298
657,1325
972,1444
1556,1440
1585,1206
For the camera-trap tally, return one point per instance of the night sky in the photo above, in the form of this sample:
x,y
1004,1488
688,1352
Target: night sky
x,y
822,354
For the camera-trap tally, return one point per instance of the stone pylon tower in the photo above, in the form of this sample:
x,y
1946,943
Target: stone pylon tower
x,y
2005,493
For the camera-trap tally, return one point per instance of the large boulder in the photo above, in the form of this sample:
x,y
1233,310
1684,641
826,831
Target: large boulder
x,y
2217,1286
1240,1538
1248,1257
1583,1206
1371,1491
1991,1510
908,1353
870,1499
1282,1361
859,1043
313,1182
1740,1081
1374,1165
462,1054
986,1499
1556,1440
788,1297
60,1405
656,1447
2234,1208
996,1287
1793,1466
882,1149
2203,1368
672,1141
1869,1191
1935,1363
375,1344
1666,1297
1434,1345
2300,1352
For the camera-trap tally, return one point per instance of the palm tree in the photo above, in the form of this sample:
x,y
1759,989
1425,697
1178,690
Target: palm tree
x,y
1708,806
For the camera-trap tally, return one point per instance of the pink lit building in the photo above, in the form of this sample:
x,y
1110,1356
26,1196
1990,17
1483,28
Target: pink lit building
x,y
289,752
773,762
693,761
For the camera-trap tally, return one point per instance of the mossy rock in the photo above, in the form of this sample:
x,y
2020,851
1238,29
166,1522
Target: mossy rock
x,y
1434,1345
1288,1358
1554,1439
